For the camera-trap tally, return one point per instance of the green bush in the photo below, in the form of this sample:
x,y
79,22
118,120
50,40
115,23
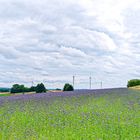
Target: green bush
x,y
133,82
68,87
40,88
16,88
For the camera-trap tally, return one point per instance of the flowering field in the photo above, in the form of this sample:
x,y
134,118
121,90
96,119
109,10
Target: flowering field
x,y
112,114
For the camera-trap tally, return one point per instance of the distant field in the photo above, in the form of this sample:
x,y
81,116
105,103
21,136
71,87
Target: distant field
x,y
112,114
9,94
135,87
4,93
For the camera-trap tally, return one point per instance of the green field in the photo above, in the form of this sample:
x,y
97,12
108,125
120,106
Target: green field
x,y
107,117
9,94
4,94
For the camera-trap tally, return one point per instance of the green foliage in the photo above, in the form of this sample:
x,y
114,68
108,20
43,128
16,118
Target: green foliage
x,y
68,87
32,88
40,88
133,82
16,88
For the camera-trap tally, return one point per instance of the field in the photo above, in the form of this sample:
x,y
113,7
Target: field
x,y
4,94
111,114
135,87
9,94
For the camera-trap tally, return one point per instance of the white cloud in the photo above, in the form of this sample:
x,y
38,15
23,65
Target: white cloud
x,y
53,40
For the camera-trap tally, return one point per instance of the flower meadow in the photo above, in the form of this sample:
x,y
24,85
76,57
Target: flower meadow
x,y
107,114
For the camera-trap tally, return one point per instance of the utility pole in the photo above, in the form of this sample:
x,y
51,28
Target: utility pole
x,y
73,81
90,82
101,84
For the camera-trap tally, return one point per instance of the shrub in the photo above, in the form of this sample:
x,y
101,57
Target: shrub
x,y
68,87
40,88
133,82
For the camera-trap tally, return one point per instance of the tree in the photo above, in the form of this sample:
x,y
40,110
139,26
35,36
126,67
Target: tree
x,y
16,88
40,88
32,88
133,82
68,87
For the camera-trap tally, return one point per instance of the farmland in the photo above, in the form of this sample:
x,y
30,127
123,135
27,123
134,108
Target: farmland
x,y
111,114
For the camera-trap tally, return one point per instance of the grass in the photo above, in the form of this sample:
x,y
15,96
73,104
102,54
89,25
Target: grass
x,y
109,117
4,93
9,94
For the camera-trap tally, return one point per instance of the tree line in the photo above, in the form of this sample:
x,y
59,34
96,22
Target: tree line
x,y
4,89
133,82
40,88
16,88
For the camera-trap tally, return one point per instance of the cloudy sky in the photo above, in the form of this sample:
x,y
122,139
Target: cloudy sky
x,y
50,41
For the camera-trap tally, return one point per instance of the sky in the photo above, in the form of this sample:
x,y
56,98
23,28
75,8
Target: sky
x,y
50,41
